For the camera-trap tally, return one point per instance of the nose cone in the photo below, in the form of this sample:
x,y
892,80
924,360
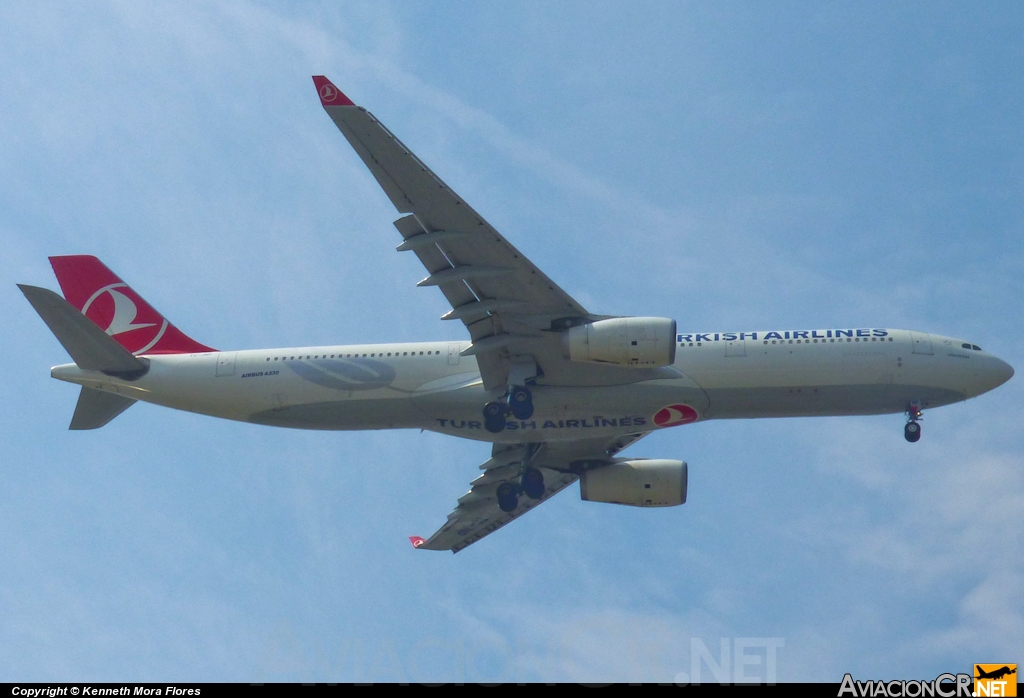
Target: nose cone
x,y
994,373
1002,372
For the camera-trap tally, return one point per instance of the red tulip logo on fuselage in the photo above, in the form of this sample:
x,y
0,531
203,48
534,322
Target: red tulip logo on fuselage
x,y
674,415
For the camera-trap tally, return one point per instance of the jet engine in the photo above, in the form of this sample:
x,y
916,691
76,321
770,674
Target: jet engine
x,y
638,483
643,342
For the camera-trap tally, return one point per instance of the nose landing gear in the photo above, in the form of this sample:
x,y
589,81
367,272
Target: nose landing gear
x,y
912,431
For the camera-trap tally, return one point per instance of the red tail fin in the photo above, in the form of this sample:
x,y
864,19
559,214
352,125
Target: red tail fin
x,y
117,309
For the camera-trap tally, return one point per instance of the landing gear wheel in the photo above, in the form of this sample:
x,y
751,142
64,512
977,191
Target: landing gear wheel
x,y
494,417
912,432
520,402
533,483
508,500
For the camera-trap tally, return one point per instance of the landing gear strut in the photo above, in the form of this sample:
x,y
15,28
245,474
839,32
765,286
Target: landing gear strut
x,y
912,431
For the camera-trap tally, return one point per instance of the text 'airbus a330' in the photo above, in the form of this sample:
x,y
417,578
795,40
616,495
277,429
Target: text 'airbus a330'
x,y
559,391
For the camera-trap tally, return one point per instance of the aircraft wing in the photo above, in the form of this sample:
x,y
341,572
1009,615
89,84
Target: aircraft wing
x,y
509,306
477,513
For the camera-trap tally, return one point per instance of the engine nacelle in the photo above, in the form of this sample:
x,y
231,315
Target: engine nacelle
x,y
643,342
638,483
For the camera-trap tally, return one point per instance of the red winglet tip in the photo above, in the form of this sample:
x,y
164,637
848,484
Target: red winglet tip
x,y
330,96
416,541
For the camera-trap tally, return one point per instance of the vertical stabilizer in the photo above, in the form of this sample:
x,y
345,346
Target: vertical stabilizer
x,y
118,310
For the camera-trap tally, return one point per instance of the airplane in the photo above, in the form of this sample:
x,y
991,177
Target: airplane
x,y
557,390
995,674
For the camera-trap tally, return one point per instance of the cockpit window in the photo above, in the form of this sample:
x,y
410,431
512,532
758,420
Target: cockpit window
x,y
973,347
966,346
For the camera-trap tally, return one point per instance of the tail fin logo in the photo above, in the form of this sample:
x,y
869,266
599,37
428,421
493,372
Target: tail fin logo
x,y
118,316
328,92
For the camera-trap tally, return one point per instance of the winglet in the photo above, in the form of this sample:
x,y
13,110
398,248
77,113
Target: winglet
x,y
330,96
416,541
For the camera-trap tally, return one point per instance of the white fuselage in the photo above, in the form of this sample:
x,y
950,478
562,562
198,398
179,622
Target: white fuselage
x,y
431,386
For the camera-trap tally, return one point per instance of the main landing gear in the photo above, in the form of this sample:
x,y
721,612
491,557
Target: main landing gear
x,y
912,431
531,483
517,400
508,497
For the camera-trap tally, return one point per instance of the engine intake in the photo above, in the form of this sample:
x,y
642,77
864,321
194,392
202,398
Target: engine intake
x,y
643,342
637,483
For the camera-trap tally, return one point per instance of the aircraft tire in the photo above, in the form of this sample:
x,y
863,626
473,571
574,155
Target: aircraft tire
x,y
912,432
520,402
508,500
494,417
533,483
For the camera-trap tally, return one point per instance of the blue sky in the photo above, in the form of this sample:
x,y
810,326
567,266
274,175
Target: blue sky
x,y
730,165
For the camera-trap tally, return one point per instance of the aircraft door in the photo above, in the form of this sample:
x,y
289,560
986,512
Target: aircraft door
x,y
453,354
922,342
226,363
737,347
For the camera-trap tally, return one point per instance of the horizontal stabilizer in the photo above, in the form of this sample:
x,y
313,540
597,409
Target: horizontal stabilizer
x,y
96,408
90,347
